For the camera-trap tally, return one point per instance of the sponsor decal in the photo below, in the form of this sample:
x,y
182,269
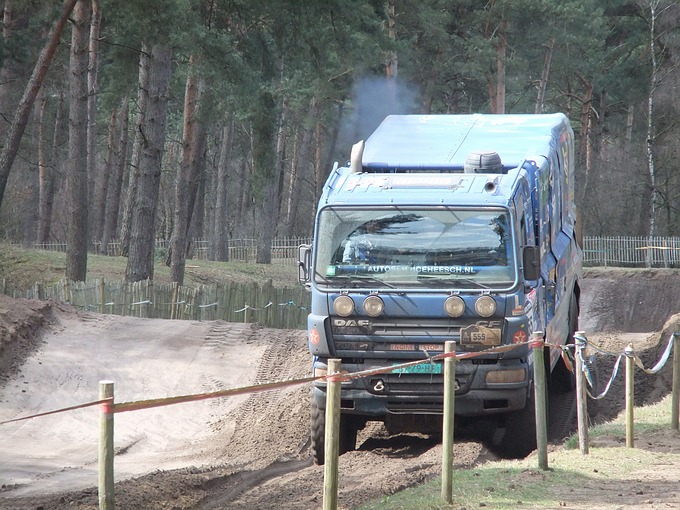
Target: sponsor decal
x,y
353,346
519,337
314,337
416,347
530,301
518,309
377,268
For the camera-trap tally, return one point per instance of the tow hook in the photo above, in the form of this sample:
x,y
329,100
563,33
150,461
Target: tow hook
x,y
379,386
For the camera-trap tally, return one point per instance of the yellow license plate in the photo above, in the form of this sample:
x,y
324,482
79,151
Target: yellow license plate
x,y
480,335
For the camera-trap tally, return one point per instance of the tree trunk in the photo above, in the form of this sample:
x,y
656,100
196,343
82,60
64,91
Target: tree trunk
x,y
102,185
392,66
96,204
166,214
630,117
23,110
45,176
183,192
142,232
495,79
298,174
586,145
76,249
48,183
30,178
281,152
197,188
113,196
219,239
8,71
500,68
543,83
323,171
651,131
245,194
133,174
264,149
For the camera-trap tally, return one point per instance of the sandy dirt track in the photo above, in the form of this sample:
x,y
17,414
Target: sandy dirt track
x,y
248,452
146,359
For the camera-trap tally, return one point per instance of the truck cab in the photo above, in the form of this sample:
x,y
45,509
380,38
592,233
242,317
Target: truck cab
x,y
445,228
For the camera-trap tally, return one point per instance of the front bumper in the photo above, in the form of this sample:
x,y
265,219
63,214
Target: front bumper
x,y
378,396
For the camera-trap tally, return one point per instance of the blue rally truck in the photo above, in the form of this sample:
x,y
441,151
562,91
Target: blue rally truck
x,y
446,228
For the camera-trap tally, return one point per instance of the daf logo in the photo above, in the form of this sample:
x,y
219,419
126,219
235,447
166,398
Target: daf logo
x,y
351,322
489,324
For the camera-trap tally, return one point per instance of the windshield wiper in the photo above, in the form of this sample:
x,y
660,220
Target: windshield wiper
x,y
358,278
450,280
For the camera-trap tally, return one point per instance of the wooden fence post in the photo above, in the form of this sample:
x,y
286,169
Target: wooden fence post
x,y
447,432
106,496
67,291
675,396
174,300
39,294
125,295
581,396
332,438
540,396
630,396
151,305
102,295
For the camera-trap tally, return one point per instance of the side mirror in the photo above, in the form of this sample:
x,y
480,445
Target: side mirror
x,y
304,264
531,262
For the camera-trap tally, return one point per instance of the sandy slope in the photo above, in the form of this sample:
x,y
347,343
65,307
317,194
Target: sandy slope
x,y
145,359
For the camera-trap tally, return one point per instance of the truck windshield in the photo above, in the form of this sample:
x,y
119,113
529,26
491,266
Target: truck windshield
x,y
422,248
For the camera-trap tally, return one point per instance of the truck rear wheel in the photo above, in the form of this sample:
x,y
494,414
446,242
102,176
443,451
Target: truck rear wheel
x,y
348,434
563,380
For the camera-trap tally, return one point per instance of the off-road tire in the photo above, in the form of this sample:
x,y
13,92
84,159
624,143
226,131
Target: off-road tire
x,y
348,434
519,434
563,380
318,432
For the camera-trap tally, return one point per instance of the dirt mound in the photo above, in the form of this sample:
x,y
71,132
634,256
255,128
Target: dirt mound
x,y
21,323
629,300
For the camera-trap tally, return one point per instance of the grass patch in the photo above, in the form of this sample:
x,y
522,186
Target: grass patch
x,y
21,268
648,420
599,478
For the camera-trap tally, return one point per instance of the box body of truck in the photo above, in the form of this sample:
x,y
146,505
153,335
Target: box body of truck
x,y
445,228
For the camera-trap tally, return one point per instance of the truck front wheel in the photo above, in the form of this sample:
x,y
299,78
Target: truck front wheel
x,y
518,436
348,434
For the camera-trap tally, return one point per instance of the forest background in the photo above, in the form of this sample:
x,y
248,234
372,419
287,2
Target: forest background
x,y
128,120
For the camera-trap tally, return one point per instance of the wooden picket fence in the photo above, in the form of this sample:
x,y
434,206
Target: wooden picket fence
x,y
632,252
284,250
612,251
282,308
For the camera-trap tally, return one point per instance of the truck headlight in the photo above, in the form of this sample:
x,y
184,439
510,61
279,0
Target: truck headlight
x,y
343,306
373,306
454,306
485,306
